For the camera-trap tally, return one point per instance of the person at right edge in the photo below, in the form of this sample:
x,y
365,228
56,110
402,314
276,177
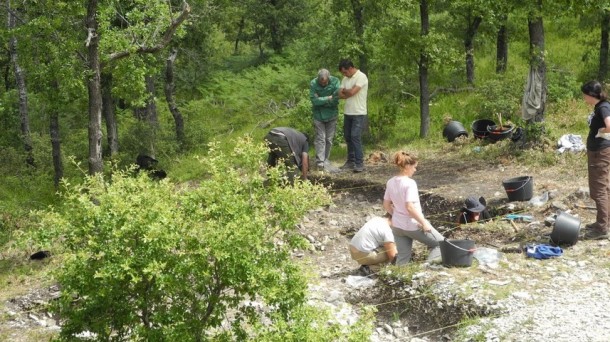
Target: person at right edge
x,y
598,158
354,89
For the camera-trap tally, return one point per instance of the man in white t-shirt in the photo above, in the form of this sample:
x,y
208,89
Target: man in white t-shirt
x,y
373,245
354,89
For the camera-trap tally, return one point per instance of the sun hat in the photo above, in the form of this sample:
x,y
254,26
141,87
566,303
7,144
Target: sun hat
x,y
473,205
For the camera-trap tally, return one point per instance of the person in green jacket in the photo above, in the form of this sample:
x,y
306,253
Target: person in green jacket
x,y
324,95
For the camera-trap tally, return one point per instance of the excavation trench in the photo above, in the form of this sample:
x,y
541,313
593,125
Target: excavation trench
x,y
431,303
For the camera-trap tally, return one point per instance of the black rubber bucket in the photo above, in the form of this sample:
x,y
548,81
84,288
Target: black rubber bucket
x,y
565,230
479,128
453,130
457,252
496,134
520,188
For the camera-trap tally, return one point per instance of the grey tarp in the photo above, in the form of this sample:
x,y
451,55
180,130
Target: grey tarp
x,y
532,97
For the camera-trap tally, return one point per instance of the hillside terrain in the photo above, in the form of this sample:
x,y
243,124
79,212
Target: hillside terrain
x,y
431,302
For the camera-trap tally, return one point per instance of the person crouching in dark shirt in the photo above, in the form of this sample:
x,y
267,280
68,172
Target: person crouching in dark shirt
x,y
474,210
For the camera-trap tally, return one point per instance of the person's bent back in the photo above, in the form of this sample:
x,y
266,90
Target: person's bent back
x,y
291,146
373,244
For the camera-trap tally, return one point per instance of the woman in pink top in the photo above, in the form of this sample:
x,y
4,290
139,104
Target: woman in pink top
x,y
401,200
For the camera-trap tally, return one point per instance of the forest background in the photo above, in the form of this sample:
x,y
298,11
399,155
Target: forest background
x,y
89,85
165,78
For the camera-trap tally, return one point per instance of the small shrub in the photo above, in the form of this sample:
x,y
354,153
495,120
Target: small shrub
x,y
146,261
534,131
300,116
383,121
500,95
561,85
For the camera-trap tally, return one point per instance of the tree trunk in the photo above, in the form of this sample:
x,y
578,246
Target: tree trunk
x,y
603,46
502,46
108,109
359,24
424,97
240,30
7,71
56,142
23,94
148,113
96,164
537,59
151,105
148,116
471,31
170,98
277,43
261,50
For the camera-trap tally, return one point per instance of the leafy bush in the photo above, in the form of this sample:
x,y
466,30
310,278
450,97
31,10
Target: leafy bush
x,y
300,116
383,121
146,261
562,85
500,95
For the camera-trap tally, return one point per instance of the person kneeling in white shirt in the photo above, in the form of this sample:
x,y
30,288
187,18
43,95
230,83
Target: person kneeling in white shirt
x,y
373,245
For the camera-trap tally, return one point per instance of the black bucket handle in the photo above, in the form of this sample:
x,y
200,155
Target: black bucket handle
x,y
472,250
529,178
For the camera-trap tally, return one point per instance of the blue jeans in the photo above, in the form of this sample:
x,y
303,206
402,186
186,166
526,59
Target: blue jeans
x,y
352,131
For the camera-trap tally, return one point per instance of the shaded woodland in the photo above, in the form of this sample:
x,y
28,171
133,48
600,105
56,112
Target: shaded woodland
x,y
103,82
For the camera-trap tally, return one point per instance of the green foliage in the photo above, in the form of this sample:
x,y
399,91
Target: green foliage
x,y
9,118
569,116
383,120
562,85
500,94
255,91
249,102
404,273
300,116
203,50
23,187
129,81
309,319
463,335
13,219
129,25
145,261
535,131
541,157
406,128
399,43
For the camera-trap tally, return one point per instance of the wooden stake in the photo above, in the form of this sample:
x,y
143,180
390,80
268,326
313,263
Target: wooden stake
x,y
500,118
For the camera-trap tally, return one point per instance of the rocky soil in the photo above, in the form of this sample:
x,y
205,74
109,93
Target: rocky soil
x,y
514,299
